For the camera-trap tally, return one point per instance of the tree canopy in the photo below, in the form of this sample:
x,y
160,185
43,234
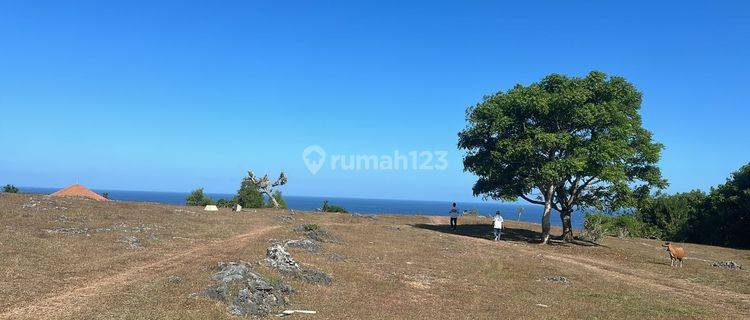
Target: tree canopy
x,y
198,198
9,188
249,196
563,142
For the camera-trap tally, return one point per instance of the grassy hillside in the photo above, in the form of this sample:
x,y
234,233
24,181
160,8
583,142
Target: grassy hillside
x,y
81,259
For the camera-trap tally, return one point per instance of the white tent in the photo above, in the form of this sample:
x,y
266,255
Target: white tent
x,y
211,208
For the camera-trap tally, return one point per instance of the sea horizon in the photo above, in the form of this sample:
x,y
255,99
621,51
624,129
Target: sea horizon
x,y
531,213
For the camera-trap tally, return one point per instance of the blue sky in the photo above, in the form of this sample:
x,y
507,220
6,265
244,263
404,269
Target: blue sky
x,y
173,95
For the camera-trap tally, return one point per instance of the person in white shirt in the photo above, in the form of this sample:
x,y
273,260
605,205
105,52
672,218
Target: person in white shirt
x,y
497,224
454,216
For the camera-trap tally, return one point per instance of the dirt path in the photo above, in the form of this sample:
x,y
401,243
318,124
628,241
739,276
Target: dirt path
x,y
72,300
714,297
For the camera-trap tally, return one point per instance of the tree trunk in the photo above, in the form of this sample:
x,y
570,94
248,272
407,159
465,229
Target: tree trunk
x,y
548,197
273,200
545,221
567,225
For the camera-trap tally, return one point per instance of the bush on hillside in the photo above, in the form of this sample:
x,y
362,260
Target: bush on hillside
x,y
279,199
224,203
668,215
331,208
249,195
598,225
724,218
9,188
197,198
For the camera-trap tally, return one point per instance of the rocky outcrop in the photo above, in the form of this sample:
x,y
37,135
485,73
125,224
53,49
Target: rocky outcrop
x,y
728,265
244,291
278,258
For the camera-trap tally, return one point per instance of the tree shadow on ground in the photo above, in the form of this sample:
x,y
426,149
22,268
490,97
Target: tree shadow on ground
x,y
484,231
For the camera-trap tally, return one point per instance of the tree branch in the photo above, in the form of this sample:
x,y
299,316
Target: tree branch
x,y
531,200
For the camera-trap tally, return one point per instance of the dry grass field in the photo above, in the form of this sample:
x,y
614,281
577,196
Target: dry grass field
x,y
73,259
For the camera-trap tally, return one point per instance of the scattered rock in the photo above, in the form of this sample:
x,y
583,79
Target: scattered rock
x,y
366,216
558,279
244,291
123,227
71,231
285,218
305,244
180,210
728,265
152,237
336,257
175,280
316,233
316,276
131,242
44,204
277,257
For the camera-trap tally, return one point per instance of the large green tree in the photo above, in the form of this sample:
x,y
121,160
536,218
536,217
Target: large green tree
x,y
725,219
249,195
564,143
198,198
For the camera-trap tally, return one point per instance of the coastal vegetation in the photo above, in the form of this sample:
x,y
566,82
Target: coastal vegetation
x,y
563,143
224,203
720,217
9,188
198,198
249,196
279,200
255,191
326,207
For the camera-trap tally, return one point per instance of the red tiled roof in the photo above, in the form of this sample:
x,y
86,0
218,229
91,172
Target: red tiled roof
x,y
77,190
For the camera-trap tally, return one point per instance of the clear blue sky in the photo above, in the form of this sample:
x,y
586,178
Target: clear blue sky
x,y
173,95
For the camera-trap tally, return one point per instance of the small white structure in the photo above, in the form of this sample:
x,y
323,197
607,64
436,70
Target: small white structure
x,y
237,208
211,207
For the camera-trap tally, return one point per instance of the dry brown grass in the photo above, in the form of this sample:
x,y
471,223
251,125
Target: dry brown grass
x,y
394,267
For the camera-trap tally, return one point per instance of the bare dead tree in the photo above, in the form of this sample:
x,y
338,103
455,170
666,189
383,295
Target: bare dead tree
x,y
265,185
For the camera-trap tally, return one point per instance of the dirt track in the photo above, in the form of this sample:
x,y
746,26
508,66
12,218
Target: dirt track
x,y
74,298
637,278
399,267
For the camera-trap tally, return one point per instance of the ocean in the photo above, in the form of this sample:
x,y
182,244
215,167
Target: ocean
x,y
509,211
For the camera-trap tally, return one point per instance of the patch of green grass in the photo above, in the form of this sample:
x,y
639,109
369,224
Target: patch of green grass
x,y
310,227
636,304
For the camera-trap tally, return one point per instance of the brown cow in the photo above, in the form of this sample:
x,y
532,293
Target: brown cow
x,y
675,253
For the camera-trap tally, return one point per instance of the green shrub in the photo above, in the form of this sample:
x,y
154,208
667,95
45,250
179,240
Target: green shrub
x,y
9,188
279,198
719,217
598,225
594,227
332,208
668,215
310,227
224,203
249,196
197,198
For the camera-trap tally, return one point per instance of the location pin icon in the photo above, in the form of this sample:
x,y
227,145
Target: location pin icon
x,y
314,157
